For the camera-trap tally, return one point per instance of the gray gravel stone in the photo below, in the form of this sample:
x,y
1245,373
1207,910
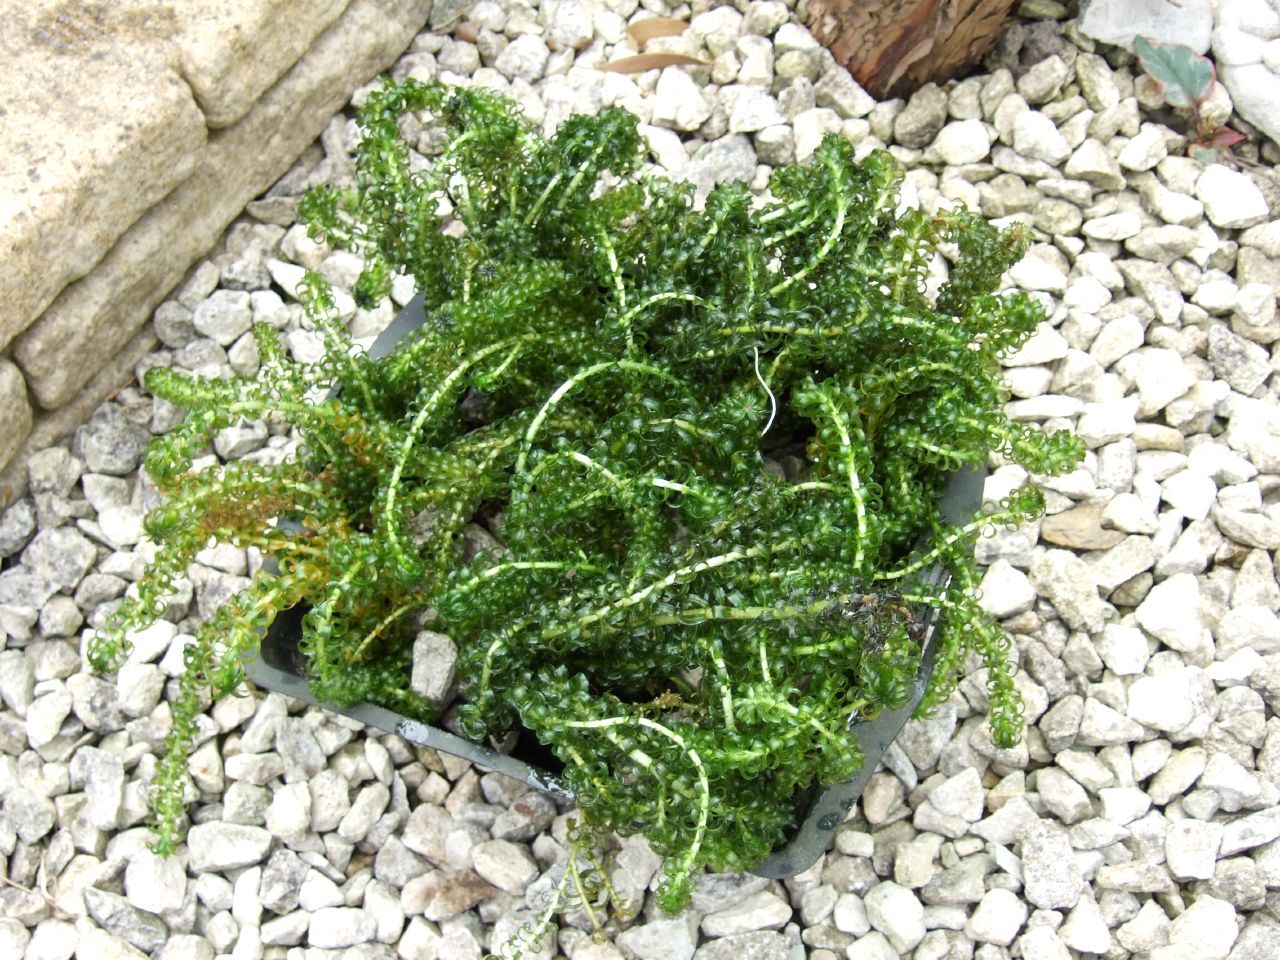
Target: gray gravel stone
x,y
524,58
896,912
759,911
1051,879
102,775
1245,366
333,928
922,118
1171,612
434,658
31,815
838,90
61,556
368,806
1231,199
1207,929
46,715
1006,591
678,102
508,866
289,814
17,526
224,846
1191,849
1172,700
143,930
110,442
659,940
1068,583
998,918
758,945
155,884
224,316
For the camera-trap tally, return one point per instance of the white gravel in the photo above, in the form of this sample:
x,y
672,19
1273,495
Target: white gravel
x,y
1137,818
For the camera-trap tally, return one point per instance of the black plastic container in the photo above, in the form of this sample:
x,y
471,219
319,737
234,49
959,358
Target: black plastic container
x,y
281,668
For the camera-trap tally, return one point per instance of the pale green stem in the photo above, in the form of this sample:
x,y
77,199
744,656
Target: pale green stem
x,y
855,484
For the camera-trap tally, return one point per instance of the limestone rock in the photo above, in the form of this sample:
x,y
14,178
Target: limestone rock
x,y
91,320
1119,21
1051,878
1231,199
232,51
1069,584
434,657
77,169
1254,95
15,409
224,846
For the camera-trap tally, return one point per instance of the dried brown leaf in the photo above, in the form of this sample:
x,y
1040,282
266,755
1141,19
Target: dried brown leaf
x,y
643,30
650,61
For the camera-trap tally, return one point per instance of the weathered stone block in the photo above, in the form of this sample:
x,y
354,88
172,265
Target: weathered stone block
x,y
15,411
233,51
98,127
95,317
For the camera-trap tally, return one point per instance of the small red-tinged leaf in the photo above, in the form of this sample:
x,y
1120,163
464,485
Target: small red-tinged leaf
x,y
643,30
650,61
1224,137
1187,77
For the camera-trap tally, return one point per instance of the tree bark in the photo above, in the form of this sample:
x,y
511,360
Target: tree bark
x,y
892,47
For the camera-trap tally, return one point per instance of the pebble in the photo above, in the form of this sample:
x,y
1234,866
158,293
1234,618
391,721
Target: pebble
x,y
659,940
998,918
1061,795
102,775
1169,701
334,928
1191,849
896,912
759,911
434,658
224,846
508,866
61,556
959,796
224,316
1236,786
1171,612
1206,929
1093,163
1068,583
962,142
1051,879
114,913
1244,365
678,102
1037,137
524,58
110,442
1085,928
1231,199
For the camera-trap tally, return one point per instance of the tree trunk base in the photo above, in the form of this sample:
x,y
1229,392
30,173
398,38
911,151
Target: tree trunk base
x,y
893,47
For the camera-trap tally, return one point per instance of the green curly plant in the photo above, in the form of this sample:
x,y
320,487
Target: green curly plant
x,y
609,371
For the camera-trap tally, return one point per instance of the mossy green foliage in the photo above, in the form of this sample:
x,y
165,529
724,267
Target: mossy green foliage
x,y
607,368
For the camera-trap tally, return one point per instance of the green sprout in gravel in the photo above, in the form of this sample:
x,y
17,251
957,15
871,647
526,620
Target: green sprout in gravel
x,y
611,378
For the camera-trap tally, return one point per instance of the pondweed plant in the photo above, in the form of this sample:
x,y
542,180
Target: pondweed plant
x,y
607,369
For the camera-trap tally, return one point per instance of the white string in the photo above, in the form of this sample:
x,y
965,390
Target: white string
x,y
773,403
